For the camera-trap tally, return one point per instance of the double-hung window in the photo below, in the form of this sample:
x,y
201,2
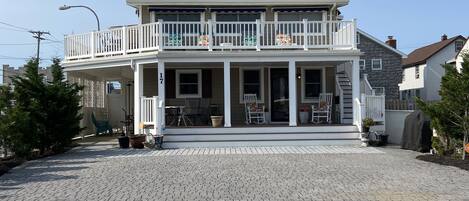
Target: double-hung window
x,y
251,83
312,84
362,64
188,84
376,64
417,72
459,45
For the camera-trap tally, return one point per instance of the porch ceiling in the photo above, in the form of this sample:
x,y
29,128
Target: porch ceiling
x,y
114,73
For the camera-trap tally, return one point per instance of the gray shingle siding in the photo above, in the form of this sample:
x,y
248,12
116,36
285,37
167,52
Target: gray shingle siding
x,y
390,75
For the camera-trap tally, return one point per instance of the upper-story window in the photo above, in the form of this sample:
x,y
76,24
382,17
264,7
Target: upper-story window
x,y
178,17
227,22
299,16
417,72
179,28
376,64
459,45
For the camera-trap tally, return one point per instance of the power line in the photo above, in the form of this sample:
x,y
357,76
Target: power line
x,y
19,44
38,35
14,26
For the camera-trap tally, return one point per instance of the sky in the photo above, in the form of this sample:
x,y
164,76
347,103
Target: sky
x,y
414,23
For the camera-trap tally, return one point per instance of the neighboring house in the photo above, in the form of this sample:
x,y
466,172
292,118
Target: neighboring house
x,y
382,63
423,68
7,73
459,57
202,57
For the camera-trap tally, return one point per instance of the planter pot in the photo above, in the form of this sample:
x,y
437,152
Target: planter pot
x,y
366,129
137,141
159,142
365,139
123,142
304,117
217,121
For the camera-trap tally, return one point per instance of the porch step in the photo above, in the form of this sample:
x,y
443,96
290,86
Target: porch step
x,y
260,136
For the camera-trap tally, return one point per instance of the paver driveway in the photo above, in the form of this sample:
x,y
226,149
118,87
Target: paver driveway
x,y
101,173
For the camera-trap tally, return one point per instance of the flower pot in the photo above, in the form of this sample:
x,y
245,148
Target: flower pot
x,y
216,121
123,142
366,129
159,142
304,117
137,141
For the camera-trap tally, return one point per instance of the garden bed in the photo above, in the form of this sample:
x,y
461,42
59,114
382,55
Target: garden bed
x,y
445,160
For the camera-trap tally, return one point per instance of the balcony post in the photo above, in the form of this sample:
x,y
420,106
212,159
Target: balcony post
x,y
138,94
160,35
140,37
124,40
258,35
305,34
210,35
92,45
354,34
161,95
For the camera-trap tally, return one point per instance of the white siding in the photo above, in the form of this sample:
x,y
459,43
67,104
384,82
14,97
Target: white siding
x,y
459,59
409,78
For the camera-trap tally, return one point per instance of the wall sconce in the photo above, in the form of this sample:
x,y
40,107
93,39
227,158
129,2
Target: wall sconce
x,y
298,76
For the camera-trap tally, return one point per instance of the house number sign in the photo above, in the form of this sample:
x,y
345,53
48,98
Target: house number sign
x,y
161,78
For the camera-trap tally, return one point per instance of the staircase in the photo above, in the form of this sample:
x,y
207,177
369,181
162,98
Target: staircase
x,y
261,136
346,85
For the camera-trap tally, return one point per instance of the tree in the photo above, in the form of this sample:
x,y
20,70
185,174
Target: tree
x,y
450,116
63,111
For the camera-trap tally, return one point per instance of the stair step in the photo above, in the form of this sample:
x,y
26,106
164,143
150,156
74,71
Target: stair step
x,y
353,142
259,137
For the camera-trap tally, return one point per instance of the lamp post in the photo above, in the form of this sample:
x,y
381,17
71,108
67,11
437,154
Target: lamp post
x,y
65,7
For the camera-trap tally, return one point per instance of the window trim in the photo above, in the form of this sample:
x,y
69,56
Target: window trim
x,y
303,88
241,83
380,64
199,83
362,67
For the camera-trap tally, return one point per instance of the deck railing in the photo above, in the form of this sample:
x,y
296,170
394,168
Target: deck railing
x,y
210,36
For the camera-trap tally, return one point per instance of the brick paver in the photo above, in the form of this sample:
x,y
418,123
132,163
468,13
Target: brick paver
x,y
103,173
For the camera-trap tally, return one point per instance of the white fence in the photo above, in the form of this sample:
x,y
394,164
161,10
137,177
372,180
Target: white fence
x,y
210,35
150,114
370,106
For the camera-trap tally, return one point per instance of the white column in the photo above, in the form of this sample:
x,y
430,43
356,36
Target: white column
x,y
227,92
138,92
161,93
355,88
292,92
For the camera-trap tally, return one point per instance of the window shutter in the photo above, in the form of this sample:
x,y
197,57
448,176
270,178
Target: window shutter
x,y
170,85
206,83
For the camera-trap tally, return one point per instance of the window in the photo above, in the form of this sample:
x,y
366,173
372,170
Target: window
x,y
459,45
232,28
188,83
362,64
358,39
251,83
417,72
312,81
298,17
376,64
113,87
178,17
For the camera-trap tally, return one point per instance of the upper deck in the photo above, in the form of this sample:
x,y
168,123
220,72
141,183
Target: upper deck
x,y
212,36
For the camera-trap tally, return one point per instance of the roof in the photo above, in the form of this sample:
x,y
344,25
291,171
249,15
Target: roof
x,y
237,2
404,55
421,55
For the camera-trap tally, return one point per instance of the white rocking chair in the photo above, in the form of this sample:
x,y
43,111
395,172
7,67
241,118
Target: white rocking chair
x,y
255,113
323,111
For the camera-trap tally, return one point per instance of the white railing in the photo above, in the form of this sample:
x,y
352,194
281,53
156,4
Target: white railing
x,y
358,114
366,86
151,114
210,35
375,107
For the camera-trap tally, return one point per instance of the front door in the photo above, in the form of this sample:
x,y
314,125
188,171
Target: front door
x,y
279,94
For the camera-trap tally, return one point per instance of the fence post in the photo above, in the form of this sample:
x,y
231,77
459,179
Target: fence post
x,y
305,34
210,35
160,35
92,45
124,40
258,35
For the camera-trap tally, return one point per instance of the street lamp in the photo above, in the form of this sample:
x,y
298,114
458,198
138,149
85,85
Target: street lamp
x,y
65,7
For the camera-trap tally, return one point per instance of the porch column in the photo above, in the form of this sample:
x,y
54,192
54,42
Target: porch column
x,y
292,92
355,89
227,93
138,92
161,94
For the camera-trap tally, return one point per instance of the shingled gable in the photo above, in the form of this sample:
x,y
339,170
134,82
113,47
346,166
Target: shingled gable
x,y
421,55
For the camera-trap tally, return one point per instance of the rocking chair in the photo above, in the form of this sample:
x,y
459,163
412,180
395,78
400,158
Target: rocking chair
x,y
255,113
323,111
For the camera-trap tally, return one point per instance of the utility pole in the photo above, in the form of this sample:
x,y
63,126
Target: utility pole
x,y
38,36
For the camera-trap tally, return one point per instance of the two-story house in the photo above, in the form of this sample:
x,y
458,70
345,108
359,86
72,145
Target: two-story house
x,y
423,68
380,65
209,58
459,57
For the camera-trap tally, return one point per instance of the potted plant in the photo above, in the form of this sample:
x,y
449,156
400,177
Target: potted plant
x,y
136,141
216,117
123,141
304,115
367,123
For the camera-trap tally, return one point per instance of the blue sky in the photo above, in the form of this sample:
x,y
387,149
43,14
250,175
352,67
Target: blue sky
x,y
413,22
